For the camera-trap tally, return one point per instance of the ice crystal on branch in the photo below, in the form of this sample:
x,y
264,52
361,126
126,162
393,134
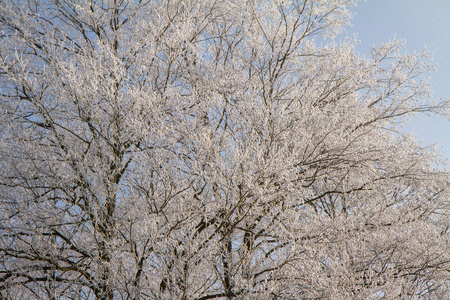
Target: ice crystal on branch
x,y
213,150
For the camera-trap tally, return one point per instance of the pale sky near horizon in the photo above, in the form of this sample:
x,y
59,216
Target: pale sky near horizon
x,y
421,23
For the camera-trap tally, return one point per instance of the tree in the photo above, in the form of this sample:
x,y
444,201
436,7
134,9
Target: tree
x,y
213,150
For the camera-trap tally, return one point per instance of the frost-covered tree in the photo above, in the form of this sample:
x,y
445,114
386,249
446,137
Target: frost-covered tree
x,y
233,149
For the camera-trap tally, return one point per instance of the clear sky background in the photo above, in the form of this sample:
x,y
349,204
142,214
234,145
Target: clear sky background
x,y
421,23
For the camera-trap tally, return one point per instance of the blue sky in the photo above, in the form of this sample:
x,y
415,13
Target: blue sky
x,y
421,23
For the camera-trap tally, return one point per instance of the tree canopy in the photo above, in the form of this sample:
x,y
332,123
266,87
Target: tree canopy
x,y
235,149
